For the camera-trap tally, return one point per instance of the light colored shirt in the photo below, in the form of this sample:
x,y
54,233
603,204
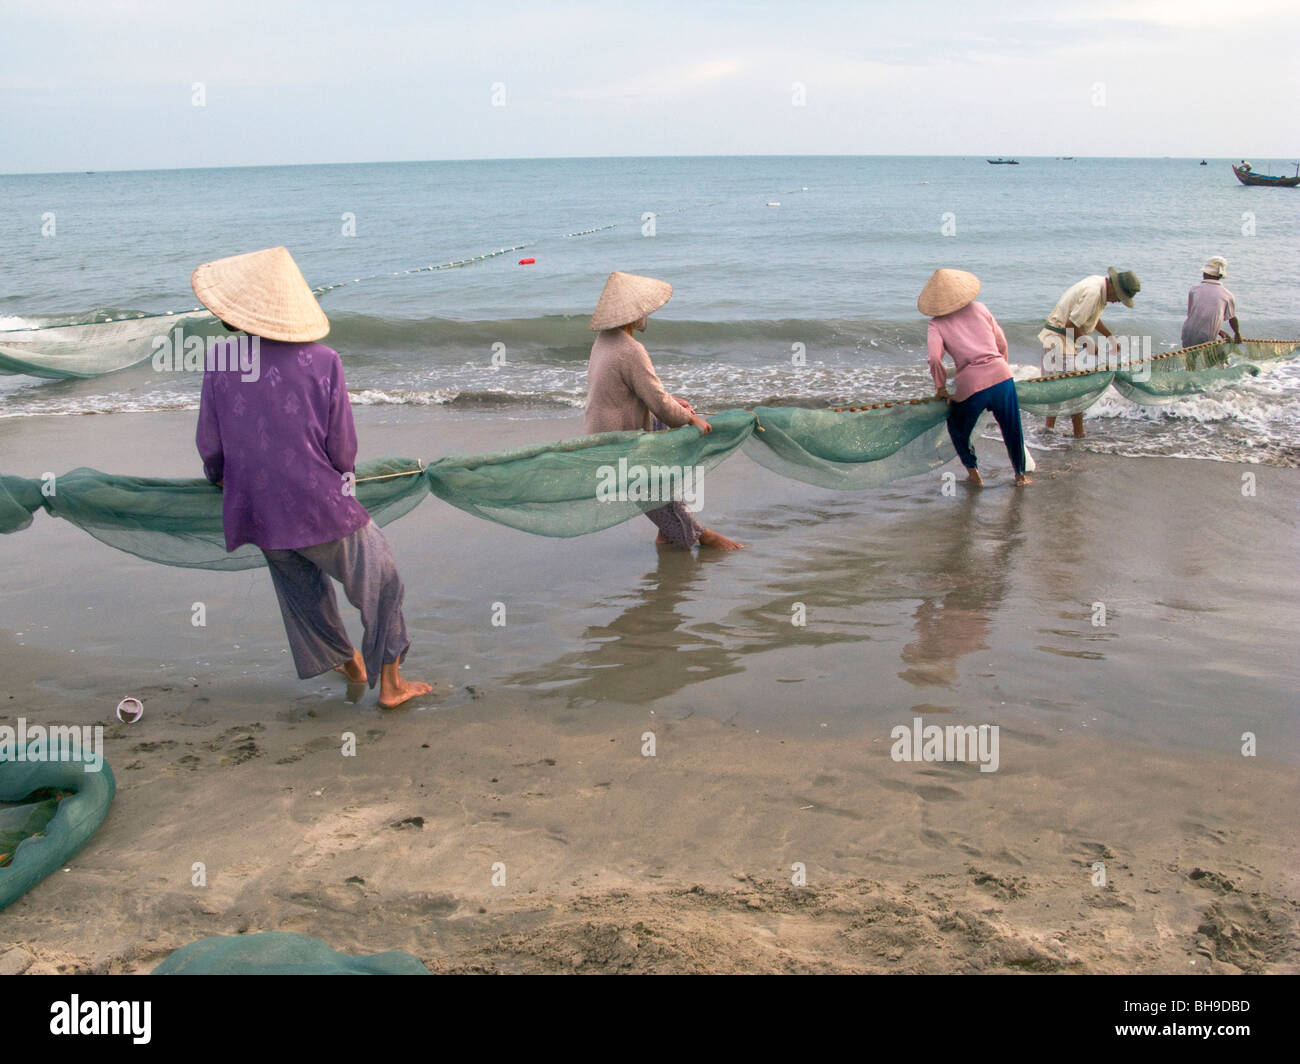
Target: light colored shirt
x,y
1080,306
977,345
1209,305
623,389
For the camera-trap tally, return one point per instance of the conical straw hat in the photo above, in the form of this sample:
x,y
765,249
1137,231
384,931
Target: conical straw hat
x,y
628,297
262,293
946,291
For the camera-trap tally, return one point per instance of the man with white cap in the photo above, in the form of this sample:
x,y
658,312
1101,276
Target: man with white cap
x,y
1078,313
624,391
282,447
1209,305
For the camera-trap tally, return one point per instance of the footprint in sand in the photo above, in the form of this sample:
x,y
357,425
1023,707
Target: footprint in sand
x,y
1253,932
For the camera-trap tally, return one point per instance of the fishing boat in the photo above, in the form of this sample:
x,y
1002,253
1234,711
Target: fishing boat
x,y
1002,162
1204,163
1247,176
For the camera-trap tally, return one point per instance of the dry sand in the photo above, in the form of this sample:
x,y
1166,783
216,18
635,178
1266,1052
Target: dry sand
x,y
615,861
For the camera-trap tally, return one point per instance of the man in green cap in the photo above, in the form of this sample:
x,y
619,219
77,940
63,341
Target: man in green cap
x,y
1078,313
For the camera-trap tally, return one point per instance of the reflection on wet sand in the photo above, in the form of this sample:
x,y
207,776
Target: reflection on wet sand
x,y
951,626
852,583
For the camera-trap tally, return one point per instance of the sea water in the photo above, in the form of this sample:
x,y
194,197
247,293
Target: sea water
x,y
795,277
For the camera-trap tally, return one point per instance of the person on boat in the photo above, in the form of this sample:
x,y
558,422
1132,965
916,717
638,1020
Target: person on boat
x,y
624,391
967,332
1209,305
1078,313
282,447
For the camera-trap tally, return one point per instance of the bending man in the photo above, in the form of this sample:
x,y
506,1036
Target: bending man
x,y
1078,313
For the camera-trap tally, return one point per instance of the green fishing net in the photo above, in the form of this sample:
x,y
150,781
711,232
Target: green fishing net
x,y
26,818
49,809
1195,370
851,449
91,349
1060,396
563,489
1159,388
281,953
19,499
576,486
178,522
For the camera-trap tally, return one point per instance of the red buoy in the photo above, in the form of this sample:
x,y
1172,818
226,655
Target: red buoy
x,y
526,262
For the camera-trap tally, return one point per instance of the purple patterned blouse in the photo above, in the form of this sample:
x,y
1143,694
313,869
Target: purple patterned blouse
x,y
281,441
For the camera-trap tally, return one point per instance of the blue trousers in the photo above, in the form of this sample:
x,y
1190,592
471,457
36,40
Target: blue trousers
x,y
1001,400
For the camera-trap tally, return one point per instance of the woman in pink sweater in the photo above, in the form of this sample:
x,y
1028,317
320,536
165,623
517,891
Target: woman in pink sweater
x,y
624,391
969,333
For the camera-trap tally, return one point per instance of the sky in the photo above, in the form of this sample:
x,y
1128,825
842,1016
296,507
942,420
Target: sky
x,y
160,84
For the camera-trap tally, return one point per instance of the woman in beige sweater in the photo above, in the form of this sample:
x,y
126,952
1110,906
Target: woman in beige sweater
x,y
624,391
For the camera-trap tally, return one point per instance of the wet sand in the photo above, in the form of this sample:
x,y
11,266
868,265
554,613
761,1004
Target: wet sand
x,y
1120,744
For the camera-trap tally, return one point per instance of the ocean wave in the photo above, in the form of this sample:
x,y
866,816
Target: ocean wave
x,y
122,403
93,316
568,337
454,398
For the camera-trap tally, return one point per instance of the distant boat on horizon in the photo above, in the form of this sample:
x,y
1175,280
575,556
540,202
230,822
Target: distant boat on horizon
x,y
1204,163
999,161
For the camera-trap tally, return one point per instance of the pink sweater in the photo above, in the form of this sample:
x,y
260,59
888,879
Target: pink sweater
x,y
623,389
977,345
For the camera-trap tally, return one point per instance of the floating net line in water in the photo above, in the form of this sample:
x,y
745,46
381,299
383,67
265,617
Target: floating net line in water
x,y
563,489
1191,370
89,349
95,348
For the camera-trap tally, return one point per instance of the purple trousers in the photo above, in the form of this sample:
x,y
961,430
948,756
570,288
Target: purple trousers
x,y
363,564
677,523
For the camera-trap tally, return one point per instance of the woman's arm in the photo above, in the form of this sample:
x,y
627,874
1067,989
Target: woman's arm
x,y
208,436
999,337
341,432
645,383
934,359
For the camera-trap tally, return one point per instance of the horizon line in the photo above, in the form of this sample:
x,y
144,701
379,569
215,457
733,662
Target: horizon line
x,y
591,158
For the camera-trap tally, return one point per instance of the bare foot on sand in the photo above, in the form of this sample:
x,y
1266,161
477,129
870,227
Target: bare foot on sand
x,y
393,690
353,671
1022,479
709,538
973,477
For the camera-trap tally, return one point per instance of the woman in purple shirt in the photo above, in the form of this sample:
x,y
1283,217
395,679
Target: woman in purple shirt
x,y
969,333
276,435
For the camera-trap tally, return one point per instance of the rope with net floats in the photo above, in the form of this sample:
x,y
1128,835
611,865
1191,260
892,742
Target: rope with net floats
x,y
323,289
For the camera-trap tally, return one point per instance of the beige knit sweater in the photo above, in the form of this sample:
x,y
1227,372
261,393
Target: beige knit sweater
x,y
623,389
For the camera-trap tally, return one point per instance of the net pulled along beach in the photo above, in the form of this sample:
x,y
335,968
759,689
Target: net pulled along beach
x,y
577,486
281,953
